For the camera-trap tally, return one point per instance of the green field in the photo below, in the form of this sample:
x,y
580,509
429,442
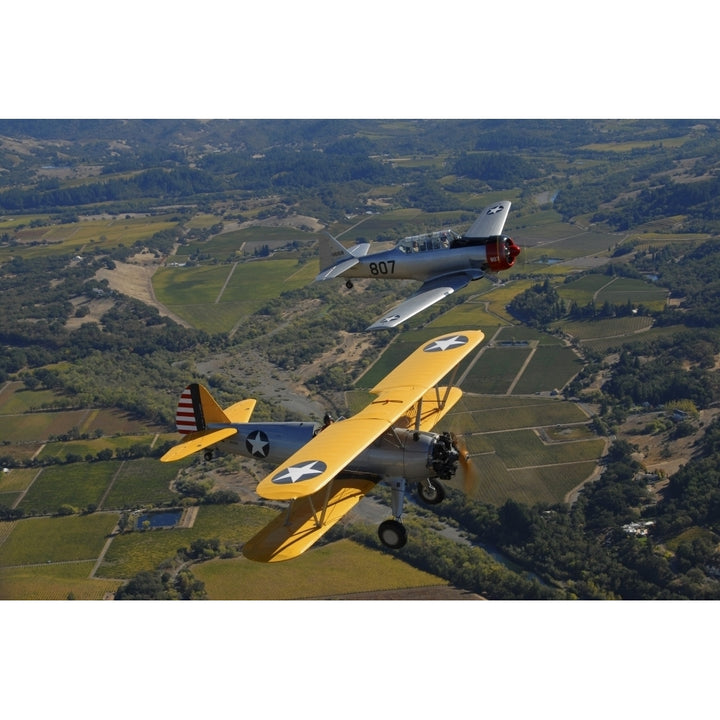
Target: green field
x,y
144,482
616,290
508,413
57,539
337,568
495,370
76,485
617,329
223,285
233,291
54,582
537,485
531,449
134,552
549,368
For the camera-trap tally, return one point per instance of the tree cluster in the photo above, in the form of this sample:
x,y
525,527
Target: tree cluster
x,y
162,585
539,305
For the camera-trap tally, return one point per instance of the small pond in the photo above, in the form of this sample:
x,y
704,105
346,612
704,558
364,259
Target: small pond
x,y
168,518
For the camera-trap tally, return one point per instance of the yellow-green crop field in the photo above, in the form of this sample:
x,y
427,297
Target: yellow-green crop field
x,y
57,539
337,568
531,449
233,291
54,582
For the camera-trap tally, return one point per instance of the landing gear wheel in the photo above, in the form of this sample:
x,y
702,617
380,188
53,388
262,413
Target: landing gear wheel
x,y
431,492
349,284
208,455
392,534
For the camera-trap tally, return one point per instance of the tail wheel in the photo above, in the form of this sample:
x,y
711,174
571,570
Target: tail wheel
x,y
431,492
392,534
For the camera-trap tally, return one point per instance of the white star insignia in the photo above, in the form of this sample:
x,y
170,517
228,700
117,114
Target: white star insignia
x,y
495,209
445,343
257,443
296,473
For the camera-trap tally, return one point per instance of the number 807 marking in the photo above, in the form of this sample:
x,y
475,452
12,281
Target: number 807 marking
x,y
382,267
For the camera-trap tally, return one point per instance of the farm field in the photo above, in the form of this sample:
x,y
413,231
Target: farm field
x,y
57,558
234,291
616,290
337,568
539,464
57,539
54,582
528,449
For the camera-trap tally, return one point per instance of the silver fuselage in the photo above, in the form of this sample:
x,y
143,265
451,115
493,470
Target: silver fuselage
x,y
396,453
418,265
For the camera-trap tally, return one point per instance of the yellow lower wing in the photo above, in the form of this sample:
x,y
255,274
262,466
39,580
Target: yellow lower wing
x,y
307,519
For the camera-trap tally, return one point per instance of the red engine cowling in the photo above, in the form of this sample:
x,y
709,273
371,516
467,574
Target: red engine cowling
x,y
500,252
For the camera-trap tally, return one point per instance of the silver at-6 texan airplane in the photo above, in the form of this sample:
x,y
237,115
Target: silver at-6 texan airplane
x,y
443,260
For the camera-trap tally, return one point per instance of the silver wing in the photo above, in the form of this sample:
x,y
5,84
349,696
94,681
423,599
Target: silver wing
x,y
490,221
430,292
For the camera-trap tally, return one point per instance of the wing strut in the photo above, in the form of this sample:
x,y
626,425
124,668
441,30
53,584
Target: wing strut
x,y
441,401
313,511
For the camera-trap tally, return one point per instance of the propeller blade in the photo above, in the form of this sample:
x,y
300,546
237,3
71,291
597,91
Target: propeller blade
x,y
470,475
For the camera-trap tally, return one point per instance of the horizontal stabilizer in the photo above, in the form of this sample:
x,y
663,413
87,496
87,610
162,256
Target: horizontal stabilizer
x,y
241,411
308,518
194,442
336,270
360,250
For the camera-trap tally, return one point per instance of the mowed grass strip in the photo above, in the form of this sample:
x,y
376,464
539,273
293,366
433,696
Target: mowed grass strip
x,y
57,539
54,582
337,568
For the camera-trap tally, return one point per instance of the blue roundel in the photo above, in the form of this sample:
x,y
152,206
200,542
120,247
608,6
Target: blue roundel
x,y
300,472
446,343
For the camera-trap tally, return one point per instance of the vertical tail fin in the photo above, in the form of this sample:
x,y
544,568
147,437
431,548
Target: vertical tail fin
x,y
196,408
332,252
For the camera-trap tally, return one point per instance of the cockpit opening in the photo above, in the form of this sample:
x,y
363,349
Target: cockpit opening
x,y
429,242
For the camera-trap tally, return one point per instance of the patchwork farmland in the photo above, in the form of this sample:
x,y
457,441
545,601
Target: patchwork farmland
x,y
526,442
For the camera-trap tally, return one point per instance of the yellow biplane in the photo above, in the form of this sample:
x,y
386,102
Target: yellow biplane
x,y
324,471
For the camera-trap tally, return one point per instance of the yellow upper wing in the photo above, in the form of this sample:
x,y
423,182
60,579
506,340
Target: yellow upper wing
x,y
317,462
